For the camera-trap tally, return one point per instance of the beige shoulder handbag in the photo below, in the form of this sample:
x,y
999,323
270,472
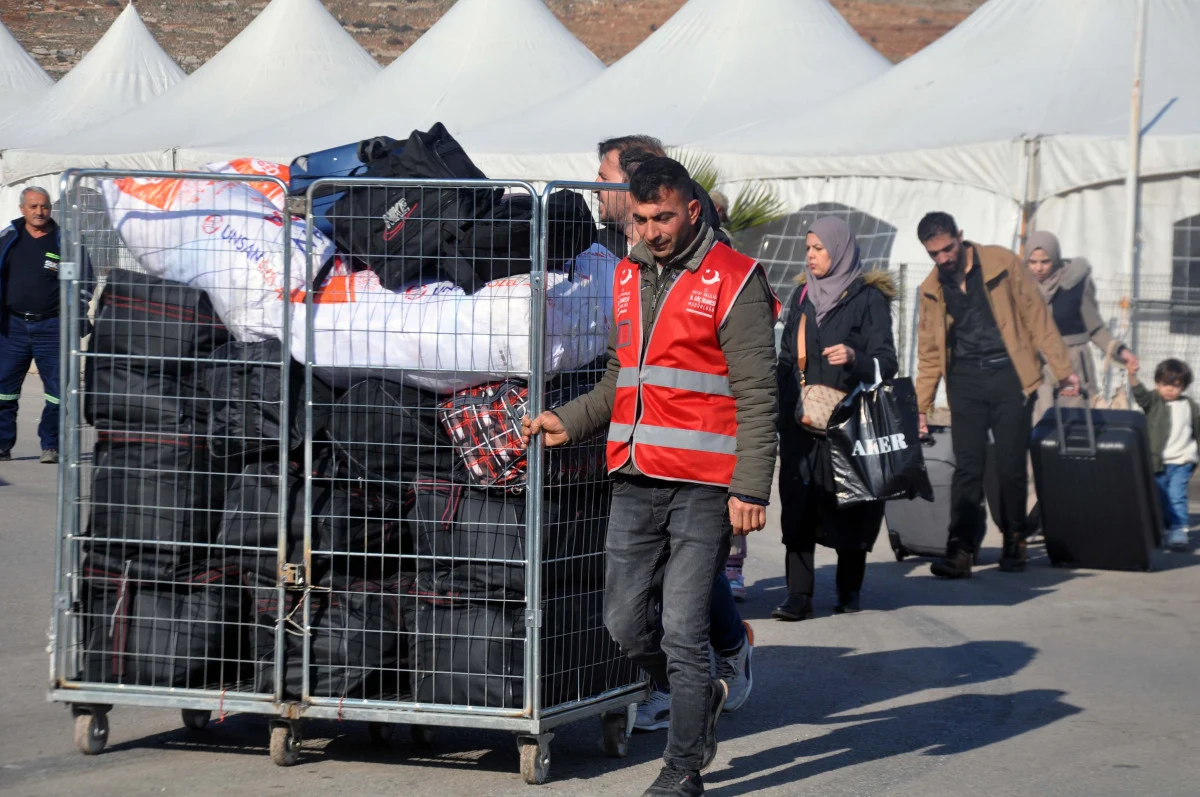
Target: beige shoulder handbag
x,y
818,401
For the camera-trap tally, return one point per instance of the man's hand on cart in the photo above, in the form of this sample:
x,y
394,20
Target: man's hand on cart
x,y
548,426
746,517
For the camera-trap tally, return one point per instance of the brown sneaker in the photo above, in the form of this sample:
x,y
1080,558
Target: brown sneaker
x,y
955,564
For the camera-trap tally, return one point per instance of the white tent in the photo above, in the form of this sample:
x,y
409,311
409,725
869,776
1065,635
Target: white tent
x,y
293,56
22,79
125,69
481,60
1025,101
712,62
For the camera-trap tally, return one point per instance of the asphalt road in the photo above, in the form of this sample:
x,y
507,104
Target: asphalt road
x,y
1052,682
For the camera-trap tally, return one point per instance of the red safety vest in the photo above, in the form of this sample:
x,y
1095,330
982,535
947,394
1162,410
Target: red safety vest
x,y
673,412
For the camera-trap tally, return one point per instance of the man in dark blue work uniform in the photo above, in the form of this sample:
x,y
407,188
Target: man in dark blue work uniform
x,y
30,253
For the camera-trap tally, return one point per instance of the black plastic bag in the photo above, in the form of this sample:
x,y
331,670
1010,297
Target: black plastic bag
x,y
875,447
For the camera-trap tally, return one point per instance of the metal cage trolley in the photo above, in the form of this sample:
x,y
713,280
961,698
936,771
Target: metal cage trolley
x,y
292,479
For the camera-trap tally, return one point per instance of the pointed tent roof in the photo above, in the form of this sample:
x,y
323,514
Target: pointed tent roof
x,y
483,59
125,69
1015,69
21,77
712,61
293,56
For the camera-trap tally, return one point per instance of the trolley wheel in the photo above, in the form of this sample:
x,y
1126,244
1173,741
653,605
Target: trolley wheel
x,y
616,734
285,745
421,735
195,720
535,762
91,732
380,733
901,553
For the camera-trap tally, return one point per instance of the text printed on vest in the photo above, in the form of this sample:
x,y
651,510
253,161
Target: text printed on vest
x,y
875,446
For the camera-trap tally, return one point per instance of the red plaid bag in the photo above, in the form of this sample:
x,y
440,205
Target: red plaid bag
x,y
484,423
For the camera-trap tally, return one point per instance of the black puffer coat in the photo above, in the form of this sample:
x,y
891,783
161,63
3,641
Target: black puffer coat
x,y
862,320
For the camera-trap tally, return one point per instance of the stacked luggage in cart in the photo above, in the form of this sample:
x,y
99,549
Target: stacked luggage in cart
x,y
246,530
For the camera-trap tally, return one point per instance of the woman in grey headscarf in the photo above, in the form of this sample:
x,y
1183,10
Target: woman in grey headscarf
x,y
839,327
1066,286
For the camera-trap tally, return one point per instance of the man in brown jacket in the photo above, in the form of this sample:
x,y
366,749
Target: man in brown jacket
x,y
984,327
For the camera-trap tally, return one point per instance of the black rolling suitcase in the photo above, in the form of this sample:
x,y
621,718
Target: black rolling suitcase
x,y
1099,505
922,528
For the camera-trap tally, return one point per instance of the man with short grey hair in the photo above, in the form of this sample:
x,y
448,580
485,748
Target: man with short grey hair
x,y
30,253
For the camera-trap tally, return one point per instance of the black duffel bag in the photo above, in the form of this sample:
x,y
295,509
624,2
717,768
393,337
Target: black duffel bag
x,y
179,635
154,491
410,235
468,653
353,534
358,640
144,316
133,394
471,542
388,433
247,391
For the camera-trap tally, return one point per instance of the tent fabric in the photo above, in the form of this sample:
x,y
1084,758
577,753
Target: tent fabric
x,y
22,79
481,60
293,56
124,69
1015,69
712,62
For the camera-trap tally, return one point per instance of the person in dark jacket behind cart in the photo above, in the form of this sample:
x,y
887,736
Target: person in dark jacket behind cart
x,y
982,325
30,253
839,330
688,401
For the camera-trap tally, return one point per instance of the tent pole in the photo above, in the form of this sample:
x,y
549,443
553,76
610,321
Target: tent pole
x,y
1131,180
1029,201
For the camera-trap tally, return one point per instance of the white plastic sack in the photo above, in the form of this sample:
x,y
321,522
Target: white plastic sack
x,y
447,340
223,237
270,190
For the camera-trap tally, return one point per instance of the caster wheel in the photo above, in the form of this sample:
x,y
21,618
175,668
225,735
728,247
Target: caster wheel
x,y
380,733
195,720
616,738
91,733
285,746
901,554
535,763
421,735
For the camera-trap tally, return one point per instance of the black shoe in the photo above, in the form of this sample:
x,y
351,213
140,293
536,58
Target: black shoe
x,y
6,456
1012,558
796,607
848,603
716,704
675,782
955,564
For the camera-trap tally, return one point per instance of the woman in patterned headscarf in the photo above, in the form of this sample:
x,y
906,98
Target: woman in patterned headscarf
x,y
839,331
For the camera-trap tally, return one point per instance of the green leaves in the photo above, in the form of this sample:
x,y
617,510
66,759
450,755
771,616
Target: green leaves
x,y
755,205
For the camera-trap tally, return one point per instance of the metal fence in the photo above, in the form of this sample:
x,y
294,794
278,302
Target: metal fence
x,y
291,480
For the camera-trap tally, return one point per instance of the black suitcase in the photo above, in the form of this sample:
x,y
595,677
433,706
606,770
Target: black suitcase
x,y
1100,507
918,527
143,316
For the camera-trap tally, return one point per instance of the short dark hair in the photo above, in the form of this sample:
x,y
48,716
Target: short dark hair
x,y
1173,371
935,224
661,174
632,159
623,144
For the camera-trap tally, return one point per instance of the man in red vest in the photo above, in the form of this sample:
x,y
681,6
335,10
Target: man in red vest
x,y
689,403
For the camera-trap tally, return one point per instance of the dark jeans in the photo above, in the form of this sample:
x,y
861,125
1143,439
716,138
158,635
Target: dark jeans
x,y
726,632
683,531
983,399
26,342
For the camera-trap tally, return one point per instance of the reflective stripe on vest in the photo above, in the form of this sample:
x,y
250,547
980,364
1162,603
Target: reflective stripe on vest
x,y
673,413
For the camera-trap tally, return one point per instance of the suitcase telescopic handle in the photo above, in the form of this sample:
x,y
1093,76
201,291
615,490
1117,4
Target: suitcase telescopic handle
x,y
1090,450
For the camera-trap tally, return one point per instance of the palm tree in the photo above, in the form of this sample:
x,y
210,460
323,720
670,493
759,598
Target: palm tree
x,y
755,204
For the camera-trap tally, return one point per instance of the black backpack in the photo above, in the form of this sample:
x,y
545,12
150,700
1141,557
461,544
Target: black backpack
x,y
411,235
